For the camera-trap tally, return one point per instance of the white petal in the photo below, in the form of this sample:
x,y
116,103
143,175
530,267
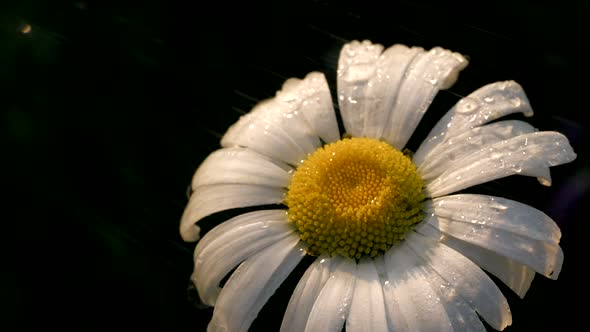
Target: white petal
x,y
496,212
311,97
515,275
395,317
367,311
207,200
417,301
544,257
305,295
445,155
504,158
368,84
426,75
467,279
462,316
484,105
357,64
233,241
253,283
429,225
275,129
332,305
275,216
239,165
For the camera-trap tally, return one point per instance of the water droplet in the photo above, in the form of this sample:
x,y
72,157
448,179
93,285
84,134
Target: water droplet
x,y
516,102
467,105
488,99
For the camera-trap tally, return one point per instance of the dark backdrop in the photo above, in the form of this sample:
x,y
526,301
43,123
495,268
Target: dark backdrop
x,y
108,108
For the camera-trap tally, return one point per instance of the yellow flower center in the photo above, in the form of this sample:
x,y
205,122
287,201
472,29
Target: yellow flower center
x,y
355,197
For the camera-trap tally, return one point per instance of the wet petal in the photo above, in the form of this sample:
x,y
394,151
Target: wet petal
x,y
275,128
395,317
368,84
515,275
417,301
367,311
311,98
332,305
496,212
445,155
230,243
484,105
305,295
543,257
210,199
504,158
461,314
428,73
466,278
253,283
241,166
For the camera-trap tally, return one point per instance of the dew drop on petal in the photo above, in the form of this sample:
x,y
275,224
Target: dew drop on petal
x,y
467,105
516,102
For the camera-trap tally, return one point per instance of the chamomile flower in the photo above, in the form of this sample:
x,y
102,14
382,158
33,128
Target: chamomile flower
x,y
396,249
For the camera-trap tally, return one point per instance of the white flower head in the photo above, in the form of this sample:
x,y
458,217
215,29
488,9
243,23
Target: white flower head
x,y
396,251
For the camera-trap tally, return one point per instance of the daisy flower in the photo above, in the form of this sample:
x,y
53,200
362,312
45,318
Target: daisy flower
x,y
396,249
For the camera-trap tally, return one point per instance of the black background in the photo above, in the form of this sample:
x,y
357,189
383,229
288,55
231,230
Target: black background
x,y
109,107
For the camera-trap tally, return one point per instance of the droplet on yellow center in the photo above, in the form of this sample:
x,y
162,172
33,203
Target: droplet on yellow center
x,y
355,197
